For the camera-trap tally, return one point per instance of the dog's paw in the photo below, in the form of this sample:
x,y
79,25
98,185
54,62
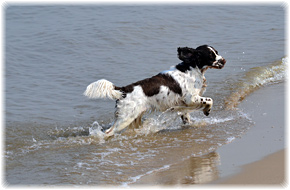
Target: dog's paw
x,y
109,133
186,119
208,105
105,128
207,110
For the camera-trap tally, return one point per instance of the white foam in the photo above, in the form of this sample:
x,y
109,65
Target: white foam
x,y
212,120
230,139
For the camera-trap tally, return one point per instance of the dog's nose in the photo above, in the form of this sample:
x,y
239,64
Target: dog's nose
x,y
223,61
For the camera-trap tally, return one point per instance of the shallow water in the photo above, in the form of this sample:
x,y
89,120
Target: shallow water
x,y
53,52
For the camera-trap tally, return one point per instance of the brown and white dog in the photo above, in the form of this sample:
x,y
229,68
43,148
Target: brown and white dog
x,y
179,89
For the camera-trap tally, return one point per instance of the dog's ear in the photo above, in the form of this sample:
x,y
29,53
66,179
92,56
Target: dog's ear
x,y
185,53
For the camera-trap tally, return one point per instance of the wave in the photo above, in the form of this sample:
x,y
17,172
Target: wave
x,y
254,79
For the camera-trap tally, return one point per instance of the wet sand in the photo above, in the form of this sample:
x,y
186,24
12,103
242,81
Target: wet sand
x,y
258,157
268,171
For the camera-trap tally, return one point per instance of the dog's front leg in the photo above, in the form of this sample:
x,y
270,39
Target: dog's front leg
x,y
199,103
186,118
208,106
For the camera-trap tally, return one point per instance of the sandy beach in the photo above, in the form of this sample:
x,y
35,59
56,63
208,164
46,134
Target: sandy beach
x,y
257,158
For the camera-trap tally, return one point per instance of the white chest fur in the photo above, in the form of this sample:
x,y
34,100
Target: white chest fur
x,y
190,82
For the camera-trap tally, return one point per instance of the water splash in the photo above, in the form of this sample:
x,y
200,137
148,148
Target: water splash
x,y
160,121
96,131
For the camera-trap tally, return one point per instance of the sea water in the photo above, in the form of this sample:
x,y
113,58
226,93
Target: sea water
x,y
52,52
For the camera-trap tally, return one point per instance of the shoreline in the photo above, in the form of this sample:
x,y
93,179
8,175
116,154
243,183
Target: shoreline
x,y
246,160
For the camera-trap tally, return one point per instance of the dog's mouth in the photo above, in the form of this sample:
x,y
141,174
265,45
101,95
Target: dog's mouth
x,y
219,64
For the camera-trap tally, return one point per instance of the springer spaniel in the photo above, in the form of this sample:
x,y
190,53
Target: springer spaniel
x,y
179,89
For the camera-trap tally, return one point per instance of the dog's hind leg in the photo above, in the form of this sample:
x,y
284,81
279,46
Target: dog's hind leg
x,y
137,122
124,117
119,125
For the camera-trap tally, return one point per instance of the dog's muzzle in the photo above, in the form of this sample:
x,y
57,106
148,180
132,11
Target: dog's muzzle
x,y
219,64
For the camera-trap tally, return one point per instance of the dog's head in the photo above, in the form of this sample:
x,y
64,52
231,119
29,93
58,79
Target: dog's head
x,y
202,57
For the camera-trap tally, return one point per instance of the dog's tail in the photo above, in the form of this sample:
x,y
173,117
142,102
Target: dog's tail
x,y
102,89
